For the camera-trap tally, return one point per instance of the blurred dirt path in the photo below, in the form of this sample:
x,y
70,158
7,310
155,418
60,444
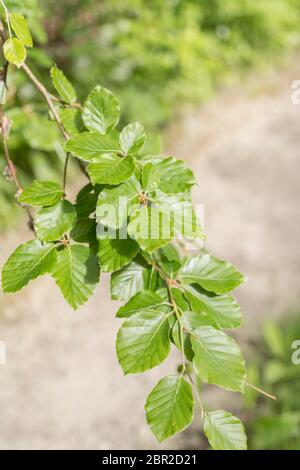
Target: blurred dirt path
x,y
62,386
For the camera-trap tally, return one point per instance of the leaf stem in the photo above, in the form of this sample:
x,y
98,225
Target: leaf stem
x,y
49,100
6,17
259,390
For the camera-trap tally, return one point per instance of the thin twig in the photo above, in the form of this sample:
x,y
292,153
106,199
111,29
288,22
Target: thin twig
x,y
47,96
49,100
66,170
259,390
5,128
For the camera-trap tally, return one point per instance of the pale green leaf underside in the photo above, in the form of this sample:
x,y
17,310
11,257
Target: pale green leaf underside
x,y
52,222
89,145
27,262
175,177
76,272
132,138
143,341
224,431
101,110
14,51
169,407
41,193
116,253
218,359
20,27
62,85
211,273
223,310
111,169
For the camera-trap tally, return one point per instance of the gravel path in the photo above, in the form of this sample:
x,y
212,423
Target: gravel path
x,y
62,386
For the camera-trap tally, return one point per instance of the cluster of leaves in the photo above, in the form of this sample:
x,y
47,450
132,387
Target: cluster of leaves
x,y
275,365
170,298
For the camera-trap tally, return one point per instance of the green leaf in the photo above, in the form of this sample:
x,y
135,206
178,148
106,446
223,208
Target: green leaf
x,y
150,228
218,359
86,201
170,407
52,222
193,320
62,85
132,138
76,272
14,51
101,110
27,262
111,169
181,213
20,27
115,253
88,145
150,177
72,120
143,341
116,204
142,300
135,277
223,310
84,231
210,273
175,177
41,193
224,431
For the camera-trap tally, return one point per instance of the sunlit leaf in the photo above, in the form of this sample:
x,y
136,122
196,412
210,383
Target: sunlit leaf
x,y
224,431
101,110
52,222
27,262
41,193
143,341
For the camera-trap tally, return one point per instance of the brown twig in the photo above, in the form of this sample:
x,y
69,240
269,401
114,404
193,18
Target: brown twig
x,y
12,172
49,98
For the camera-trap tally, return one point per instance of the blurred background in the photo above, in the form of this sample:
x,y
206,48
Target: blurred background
x,y
213,78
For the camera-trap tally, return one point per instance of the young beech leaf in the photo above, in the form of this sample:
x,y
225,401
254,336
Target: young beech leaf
x,y
27,262
175,177
132,138
41,193
142,300
150,228
62,85
111,169
123,199
52,222
223,310
218,359
72,120
101,111
76,272
88,145
20,27
210,273
224,431
116,253
170,407
14,51
134,277
143,341
84,231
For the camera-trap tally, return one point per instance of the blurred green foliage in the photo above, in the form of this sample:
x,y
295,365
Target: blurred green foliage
x,y
154,54
275,424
